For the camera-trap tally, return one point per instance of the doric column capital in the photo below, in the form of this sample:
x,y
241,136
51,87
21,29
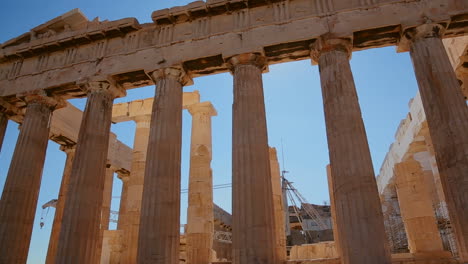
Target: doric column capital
x,y
103,87
413,34
175,73
254,59
69,148
142,121
203,108
326,43
41,97
123,175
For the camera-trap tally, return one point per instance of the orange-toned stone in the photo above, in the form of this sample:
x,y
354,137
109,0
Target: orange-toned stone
x,y
56,226
158,239
21,190
200,219
447,119
354,185
254,238
79,235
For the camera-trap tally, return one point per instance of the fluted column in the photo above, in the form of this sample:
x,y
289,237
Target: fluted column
x,y
354,185
79,235
21,190
200,219
56,226
416,208
125,178
3,126
447,119
158,241
115,243
106,204
336,236
278,205
107,198
131,218
253,224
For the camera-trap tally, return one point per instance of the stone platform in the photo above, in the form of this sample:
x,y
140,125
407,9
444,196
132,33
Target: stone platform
x,y
405,258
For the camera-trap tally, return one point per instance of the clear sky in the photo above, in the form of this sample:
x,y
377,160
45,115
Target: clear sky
x,y
385,83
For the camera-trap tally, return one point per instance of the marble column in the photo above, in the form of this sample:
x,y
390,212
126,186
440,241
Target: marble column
x,y
278,205
253,221
125,178
447,119
131,218
159,237
354,185
20,193
107,198
416,208
3,126
200,219
336,236
79,235
53,241
106,204
115,244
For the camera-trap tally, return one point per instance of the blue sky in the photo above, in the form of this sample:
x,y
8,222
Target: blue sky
x,y
385,83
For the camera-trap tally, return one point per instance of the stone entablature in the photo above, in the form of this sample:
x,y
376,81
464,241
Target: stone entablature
x,y
200,36
123,112
67,30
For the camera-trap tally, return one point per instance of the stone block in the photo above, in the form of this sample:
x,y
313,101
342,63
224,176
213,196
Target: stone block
x,y
323,250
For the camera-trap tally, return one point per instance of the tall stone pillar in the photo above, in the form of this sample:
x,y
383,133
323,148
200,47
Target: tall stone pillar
x,y
200,219
447,119
107,197
159,234
278,205
79,235
106,206
53,241
336,236
131,218
125,178
21,190
354,185
114,239
3,126
253,223
416,208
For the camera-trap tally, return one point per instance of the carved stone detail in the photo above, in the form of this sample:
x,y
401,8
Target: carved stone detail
x,y
175,73
328,43
414,34
254,59
103,87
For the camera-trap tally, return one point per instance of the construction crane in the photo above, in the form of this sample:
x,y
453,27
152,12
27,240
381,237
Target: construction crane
x,y
292,194
289,191
51,203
